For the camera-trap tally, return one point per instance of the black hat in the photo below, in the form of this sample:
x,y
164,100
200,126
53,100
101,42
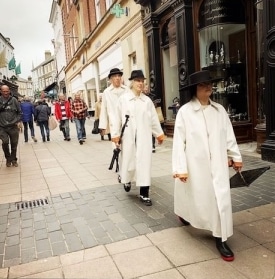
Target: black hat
x,y
137,74
200,77
115,71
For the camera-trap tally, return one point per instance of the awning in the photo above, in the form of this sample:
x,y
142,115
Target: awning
x,y
50,87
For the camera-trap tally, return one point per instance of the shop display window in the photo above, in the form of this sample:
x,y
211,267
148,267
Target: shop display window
x,y
223,53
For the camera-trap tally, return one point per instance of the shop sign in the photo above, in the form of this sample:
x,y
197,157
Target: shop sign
x,y
213,12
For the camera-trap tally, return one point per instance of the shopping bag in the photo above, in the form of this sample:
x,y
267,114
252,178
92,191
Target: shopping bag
x,y
95,129
52,123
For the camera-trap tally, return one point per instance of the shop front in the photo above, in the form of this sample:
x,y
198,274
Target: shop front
x,y
220,36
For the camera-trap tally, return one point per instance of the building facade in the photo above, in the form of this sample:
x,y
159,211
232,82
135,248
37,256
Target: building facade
x,y
234,40
44,77
98,36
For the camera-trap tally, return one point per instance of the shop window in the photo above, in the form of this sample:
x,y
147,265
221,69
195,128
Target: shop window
x,y
223,52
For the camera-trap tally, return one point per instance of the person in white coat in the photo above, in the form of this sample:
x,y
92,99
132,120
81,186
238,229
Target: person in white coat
x,y
109,100
136,144
204,145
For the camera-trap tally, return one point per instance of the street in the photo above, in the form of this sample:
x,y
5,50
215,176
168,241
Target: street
x,y
63,214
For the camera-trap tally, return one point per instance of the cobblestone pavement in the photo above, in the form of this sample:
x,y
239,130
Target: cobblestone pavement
x,y
69,221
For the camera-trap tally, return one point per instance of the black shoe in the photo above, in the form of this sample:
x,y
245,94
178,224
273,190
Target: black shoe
x,y
119,179
68,139
184,222
48,138
8,164
43,139
14,163
81,142
225,251
145,200
127,187
102,137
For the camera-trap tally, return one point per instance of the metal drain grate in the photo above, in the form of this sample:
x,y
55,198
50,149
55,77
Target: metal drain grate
x,y
31,204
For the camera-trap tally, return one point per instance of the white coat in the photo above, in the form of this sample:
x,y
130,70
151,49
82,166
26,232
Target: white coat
x,y
136,146
203,142
108,106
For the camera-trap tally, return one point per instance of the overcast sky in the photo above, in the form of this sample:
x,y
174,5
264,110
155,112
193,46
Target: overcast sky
x,y
26,23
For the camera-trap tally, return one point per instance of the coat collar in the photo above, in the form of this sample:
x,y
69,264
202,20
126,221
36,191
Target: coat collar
x,y
197,105
132,96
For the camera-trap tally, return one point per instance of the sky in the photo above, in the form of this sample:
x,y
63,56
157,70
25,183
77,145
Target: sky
x,y
26,23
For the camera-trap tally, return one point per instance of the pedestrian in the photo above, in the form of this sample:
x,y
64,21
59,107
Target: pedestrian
x,y
10,118
63,115
204,145
109,100
79,110
27,109
136,145
41,115
97,115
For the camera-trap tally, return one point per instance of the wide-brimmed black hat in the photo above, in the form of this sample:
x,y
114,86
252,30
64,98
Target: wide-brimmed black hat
x,y
115,71
200,77
137,74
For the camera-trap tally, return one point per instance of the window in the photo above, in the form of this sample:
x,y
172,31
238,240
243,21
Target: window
x,y
108,4
97,10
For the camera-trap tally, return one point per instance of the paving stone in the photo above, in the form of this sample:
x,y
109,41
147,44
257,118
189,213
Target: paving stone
x,y
65,195
56,236
27,243
44,254
12,240
59,248
27,214
11,262
49,211
14,214
3,228
28,255
27,232
76,195
65,219
38,217
86,237
40,225
56,199
68,228
26,223
13,230
41,234
53,226
142,228
73,242
71,207
12,252
62,212
42,245
3,237
4,219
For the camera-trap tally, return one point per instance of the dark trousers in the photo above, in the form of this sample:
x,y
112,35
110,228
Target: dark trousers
x,y
26,125
44,126
10,135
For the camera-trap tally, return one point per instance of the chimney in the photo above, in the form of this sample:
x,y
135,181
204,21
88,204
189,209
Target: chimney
x,y
48,55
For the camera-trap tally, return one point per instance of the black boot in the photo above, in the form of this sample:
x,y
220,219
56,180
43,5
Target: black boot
x,y
184,222
44,139
225,251
109,137
144,195
102,137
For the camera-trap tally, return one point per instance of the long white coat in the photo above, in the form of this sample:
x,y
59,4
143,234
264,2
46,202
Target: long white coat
x,y
203,142
136,146
108,107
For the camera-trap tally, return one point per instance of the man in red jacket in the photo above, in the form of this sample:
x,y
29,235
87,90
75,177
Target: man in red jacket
x,y
63,115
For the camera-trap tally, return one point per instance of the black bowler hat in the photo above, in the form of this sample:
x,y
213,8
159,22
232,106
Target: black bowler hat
x,y
200,77
115,71
137,74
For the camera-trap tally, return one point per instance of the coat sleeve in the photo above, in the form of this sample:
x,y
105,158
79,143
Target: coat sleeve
x,y
156,127
233,151
179,163
103,118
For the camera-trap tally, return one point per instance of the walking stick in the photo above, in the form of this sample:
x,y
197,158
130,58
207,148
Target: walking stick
x,y
117,150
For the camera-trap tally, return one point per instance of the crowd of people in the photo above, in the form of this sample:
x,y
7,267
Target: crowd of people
x,y
204,144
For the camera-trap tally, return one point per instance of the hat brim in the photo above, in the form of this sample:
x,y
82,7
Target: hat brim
x,y
115,73
136,78
196,83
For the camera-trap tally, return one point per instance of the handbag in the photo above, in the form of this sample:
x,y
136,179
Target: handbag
x,y
52,123
160,115
95,129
